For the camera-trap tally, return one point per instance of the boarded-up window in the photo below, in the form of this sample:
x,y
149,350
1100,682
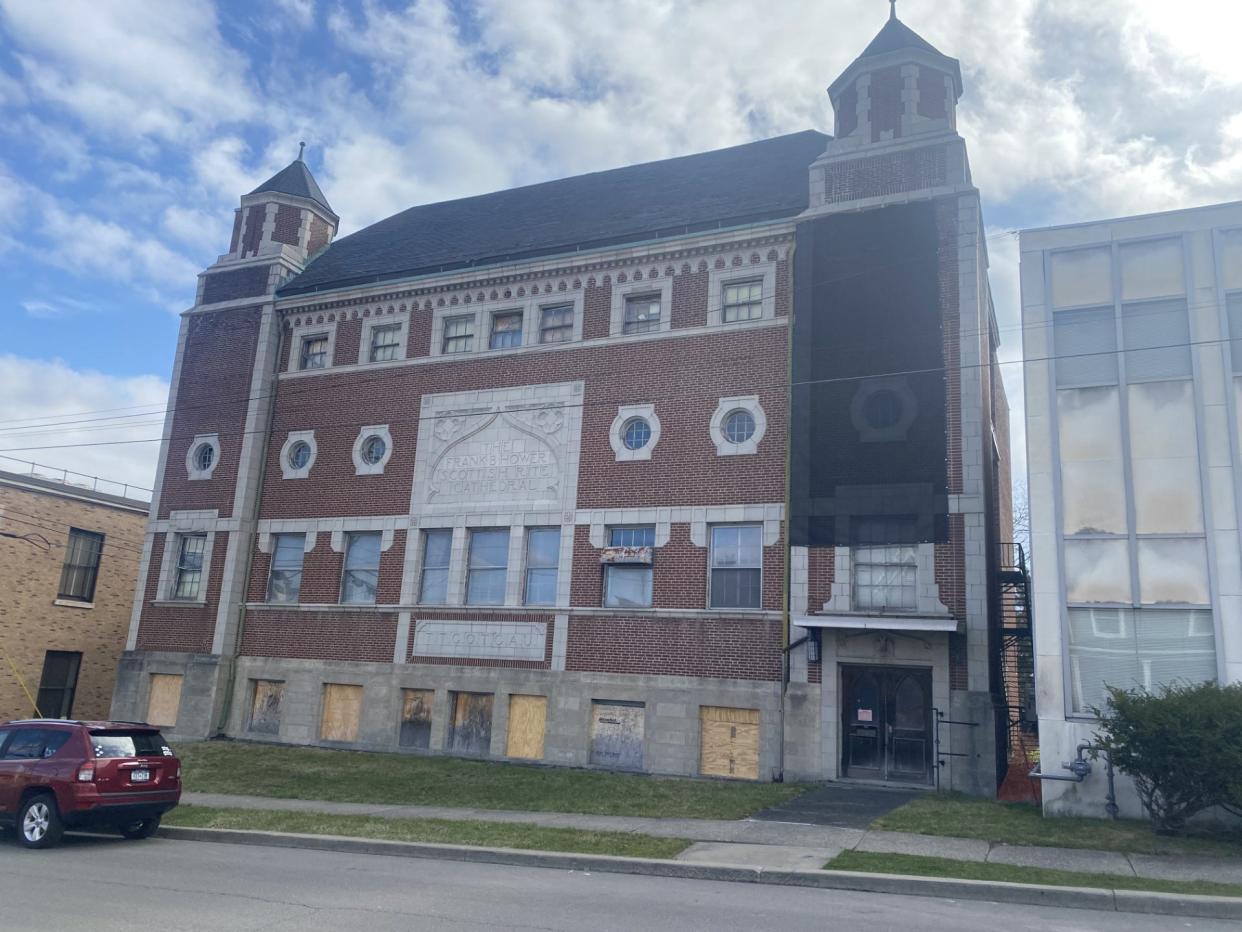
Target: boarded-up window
x,y
265,706
416,718
729,746
164,699
470,729
527,715
617,734
342,710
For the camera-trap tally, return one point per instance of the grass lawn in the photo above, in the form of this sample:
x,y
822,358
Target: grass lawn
x,y
403,779
872,863
441,831
1023,824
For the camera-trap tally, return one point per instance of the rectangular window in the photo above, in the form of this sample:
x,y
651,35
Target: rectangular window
x,y
458,335
188,581
78,575
1233,303
1157,340
265,700
628,585
58,683
489,562
506,330
314,352
642,314
1085,347
556,324
416,705
385,342
437,548
470,728
737,565
543,551
284,582
742,301
885,562
361,575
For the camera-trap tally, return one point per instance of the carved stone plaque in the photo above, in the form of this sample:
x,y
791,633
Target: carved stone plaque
x,y
484,640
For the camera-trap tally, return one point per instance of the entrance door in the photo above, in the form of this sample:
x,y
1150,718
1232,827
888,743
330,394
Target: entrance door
x,y
886,724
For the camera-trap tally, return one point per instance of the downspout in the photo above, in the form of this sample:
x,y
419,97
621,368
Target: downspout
x,y
786,647
230,684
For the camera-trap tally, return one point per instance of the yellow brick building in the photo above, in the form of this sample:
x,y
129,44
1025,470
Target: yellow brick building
x,y
68,562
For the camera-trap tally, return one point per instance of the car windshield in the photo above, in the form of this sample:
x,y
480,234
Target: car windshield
x,y
129,744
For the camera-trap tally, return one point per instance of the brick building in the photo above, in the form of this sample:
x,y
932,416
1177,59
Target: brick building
x,y
525,475
68,564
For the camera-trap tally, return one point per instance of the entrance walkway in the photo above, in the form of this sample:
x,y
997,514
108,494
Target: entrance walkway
x,y
844,805
776,844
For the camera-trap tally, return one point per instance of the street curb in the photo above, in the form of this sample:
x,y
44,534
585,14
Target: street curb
x,y
1131,901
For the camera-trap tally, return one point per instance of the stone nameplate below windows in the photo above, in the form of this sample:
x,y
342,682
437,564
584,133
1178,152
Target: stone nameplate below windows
x,y
641,555
481,640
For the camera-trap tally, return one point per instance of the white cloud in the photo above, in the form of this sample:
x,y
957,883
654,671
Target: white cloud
x,y
35,392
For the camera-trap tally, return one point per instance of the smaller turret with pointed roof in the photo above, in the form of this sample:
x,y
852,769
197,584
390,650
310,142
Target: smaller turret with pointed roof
x,y
896,102
287,213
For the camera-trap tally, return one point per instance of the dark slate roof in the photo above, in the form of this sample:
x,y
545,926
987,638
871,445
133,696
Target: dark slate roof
x,y
895,36
757,181
295,179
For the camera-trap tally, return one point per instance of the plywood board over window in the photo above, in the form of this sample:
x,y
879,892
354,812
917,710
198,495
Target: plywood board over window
x,y
729,746
342,710
416,718
527,715
164,699
265,706
617,734
470,730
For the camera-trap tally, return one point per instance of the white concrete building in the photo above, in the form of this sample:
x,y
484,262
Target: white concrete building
x,y
1133,400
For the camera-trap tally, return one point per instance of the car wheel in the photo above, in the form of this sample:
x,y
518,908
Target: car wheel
x,y
38,822
143,828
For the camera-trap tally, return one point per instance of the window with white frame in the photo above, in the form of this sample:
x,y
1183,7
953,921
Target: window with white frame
x,y
629,585
188,573
543,551
487,566
506,330
556,324
885,564
360,577
81,568
314,351
642,314
437,550
736,565
742,300
284,580
385,342
458,334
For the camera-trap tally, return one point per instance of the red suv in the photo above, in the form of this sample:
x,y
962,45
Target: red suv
x,y
57,774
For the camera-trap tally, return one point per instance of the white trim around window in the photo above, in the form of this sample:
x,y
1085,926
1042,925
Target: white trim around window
x,y
287,469
299,334
625,414
531,307
370,325
365,434
749,404
762,272
181,526
662,286
192,455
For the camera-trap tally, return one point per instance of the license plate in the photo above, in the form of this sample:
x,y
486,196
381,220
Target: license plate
x,y
139,776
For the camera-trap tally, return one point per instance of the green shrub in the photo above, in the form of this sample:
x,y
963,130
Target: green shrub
x,y
1182,746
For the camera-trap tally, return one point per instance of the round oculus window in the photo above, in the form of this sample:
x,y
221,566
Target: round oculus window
x,y
299,455
204,456
739,426
635,433
373,449
883,409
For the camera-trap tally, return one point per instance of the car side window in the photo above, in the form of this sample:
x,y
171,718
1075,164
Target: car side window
x,y
4,736
32,743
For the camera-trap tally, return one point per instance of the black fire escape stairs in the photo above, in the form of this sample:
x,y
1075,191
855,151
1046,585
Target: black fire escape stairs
x,y
1017,656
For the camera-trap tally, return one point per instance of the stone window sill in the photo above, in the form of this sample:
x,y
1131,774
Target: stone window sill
x,y
72,603
181,603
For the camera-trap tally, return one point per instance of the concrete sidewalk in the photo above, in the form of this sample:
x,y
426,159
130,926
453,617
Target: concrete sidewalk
x,y
777,845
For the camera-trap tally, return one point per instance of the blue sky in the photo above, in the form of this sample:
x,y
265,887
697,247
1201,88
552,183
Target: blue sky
x,y
129,129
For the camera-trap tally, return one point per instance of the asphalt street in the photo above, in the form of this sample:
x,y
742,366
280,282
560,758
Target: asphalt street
x,y
102,884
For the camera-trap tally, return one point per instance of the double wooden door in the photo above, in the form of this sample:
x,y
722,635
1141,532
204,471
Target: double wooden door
x,y
886,724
